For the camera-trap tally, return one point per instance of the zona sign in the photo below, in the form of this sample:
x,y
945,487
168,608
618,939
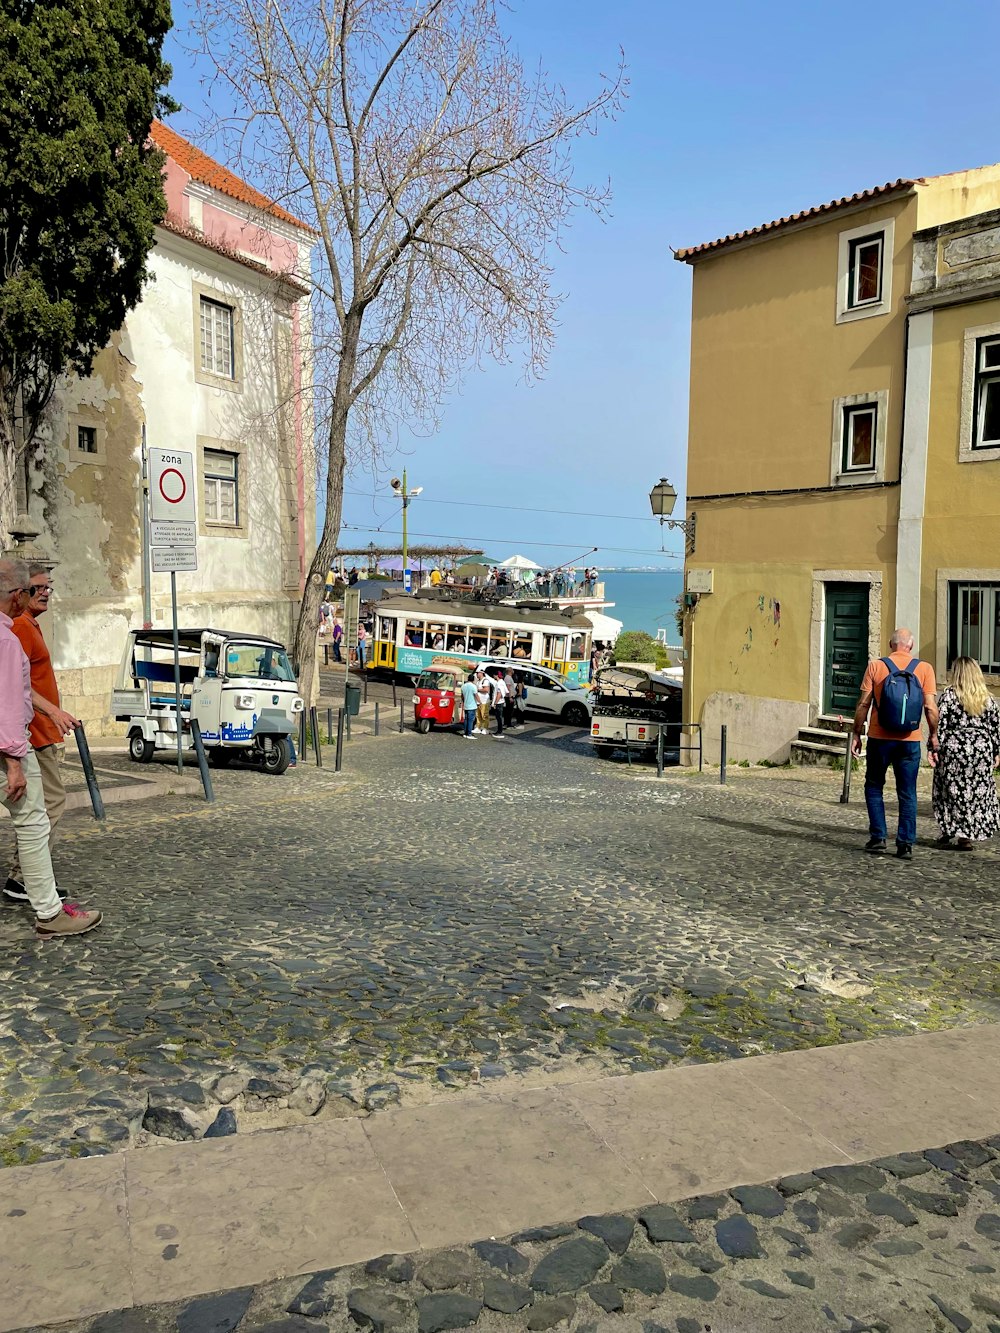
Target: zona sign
x,y
171,485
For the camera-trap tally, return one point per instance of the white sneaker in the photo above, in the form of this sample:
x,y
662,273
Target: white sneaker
x,y
467,737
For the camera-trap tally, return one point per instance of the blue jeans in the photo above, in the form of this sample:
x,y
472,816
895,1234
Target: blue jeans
x,y
904,759
470,721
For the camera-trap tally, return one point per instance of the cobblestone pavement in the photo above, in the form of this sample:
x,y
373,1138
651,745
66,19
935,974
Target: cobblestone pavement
x,y
445,913
907,1244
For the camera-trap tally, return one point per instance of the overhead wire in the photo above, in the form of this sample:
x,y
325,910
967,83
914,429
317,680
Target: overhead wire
x,y
566,546
516,509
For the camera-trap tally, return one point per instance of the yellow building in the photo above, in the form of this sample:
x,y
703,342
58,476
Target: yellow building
x,y
843,455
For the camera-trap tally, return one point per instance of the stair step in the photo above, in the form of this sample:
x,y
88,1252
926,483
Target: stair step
x,y
832,722
834,739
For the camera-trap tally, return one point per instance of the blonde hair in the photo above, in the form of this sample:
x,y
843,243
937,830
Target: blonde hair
x,y
968,684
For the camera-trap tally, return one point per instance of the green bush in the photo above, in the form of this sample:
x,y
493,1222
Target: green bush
x,y
635,645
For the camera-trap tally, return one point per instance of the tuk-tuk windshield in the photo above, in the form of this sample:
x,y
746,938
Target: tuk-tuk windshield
x,y
259,660
436,680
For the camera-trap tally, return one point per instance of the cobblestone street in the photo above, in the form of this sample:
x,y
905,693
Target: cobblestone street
x,y
446,913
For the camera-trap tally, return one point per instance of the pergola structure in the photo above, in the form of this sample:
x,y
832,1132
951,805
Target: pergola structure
x,y
417,555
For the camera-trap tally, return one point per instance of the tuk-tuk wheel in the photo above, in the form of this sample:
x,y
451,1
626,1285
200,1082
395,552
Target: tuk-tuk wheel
x,y
278,756
139,748
220,758
424,725
604,751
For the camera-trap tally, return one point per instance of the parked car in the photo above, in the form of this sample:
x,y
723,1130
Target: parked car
x,y
549,693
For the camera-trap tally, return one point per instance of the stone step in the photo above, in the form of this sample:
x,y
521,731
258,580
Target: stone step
x,y
833,722
815,753
822,736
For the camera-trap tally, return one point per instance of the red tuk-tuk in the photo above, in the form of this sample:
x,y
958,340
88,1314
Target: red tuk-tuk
x,y
437,694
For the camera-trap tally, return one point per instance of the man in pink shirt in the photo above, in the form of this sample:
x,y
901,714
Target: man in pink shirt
x,y
23,795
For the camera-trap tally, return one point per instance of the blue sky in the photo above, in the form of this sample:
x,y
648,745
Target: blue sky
x,y
737,114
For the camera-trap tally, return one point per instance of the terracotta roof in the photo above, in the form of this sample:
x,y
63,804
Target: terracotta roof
x,y
900,186
171,222
206,171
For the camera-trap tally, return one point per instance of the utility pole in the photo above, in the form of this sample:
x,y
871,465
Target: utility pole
x,y
406,496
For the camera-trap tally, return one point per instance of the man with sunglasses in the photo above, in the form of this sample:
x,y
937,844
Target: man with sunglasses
x,y
23,795
50,723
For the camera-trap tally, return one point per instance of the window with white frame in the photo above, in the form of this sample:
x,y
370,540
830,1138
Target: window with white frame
x,y
221,478
860,436
217,346
864,270
986,414
974,624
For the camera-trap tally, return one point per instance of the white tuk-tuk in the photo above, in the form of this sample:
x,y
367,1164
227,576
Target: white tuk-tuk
x,y
240,687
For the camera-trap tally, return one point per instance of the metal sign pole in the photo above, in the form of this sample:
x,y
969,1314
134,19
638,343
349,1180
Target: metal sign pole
x,y
177,668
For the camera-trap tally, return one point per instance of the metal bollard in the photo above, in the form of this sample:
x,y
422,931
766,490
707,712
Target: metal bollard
x,y
722,756
659,752
364,687
199,749
87,764
314,724
302,733
394,694
845,793
329,726
401,722
376,717
338,762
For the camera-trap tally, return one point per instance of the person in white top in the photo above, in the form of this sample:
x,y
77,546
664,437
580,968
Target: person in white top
x,y
498,698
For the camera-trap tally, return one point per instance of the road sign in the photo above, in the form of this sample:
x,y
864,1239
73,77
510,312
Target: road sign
x,y
168,559
407,580
173,534
171,486
352,612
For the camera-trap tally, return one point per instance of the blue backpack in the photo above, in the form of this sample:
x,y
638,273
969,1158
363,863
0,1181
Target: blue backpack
x,y
900,709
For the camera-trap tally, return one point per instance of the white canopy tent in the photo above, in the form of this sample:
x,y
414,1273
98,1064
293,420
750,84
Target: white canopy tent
x,y
518,562
606,628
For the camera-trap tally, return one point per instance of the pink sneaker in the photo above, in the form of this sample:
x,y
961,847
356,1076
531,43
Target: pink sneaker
x,y
72,920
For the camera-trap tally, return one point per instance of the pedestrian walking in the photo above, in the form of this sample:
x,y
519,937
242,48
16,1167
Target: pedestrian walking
x,y
898,691
50,723
362,646
498,699
23,795
470,702
482,701
965,791
337,637
520,699
508,705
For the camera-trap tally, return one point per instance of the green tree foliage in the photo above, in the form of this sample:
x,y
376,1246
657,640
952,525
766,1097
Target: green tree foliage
x,y
81,189
635,645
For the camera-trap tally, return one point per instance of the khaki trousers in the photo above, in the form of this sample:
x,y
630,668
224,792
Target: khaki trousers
x,y
54,793
483,716
31,827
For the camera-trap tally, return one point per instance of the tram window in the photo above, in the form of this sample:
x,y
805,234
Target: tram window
x,y
478,637
555,647
435,637
456,638
500,643
522,645
576,645
414,637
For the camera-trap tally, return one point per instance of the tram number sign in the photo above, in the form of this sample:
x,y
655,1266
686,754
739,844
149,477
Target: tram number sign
x,y
171,486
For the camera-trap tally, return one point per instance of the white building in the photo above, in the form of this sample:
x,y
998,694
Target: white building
x,y
213,362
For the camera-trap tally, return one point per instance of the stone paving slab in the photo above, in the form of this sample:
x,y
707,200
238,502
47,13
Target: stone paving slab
x,y
206,1216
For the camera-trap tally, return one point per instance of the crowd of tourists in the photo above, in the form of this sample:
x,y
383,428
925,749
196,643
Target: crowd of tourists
x,y
497,690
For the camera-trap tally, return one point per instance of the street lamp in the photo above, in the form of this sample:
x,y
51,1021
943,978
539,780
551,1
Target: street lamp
x,y
406,496
661,500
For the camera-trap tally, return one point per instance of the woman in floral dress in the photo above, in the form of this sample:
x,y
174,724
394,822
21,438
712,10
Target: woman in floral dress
x,y
965,791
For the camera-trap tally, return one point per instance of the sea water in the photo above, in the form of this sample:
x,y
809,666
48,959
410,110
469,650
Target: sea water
x,y
644,599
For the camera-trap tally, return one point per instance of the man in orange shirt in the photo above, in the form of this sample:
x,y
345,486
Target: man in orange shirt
x,y
897,748
50,723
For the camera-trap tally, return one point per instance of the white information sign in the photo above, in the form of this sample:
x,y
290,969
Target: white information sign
x,y
168,559
173,534
171,486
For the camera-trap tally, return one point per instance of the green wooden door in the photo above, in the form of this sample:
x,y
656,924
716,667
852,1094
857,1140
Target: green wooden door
x,y
846,654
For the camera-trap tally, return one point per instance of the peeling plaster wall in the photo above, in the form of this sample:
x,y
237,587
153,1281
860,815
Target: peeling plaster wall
x,y
92,506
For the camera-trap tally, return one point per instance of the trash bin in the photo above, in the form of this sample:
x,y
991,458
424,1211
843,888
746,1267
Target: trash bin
x,y
352,699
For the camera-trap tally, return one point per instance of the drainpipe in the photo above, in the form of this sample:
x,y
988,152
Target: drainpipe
x,y
147,597
300,474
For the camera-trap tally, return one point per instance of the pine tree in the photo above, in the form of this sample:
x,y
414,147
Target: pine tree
x,y
81,190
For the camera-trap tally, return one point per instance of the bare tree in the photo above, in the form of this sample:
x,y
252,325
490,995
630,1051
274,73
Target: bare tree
x,y
437,174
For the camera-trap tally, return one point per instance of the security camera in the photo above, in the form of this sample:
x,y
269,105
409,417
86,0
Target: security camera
x,y
395,483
